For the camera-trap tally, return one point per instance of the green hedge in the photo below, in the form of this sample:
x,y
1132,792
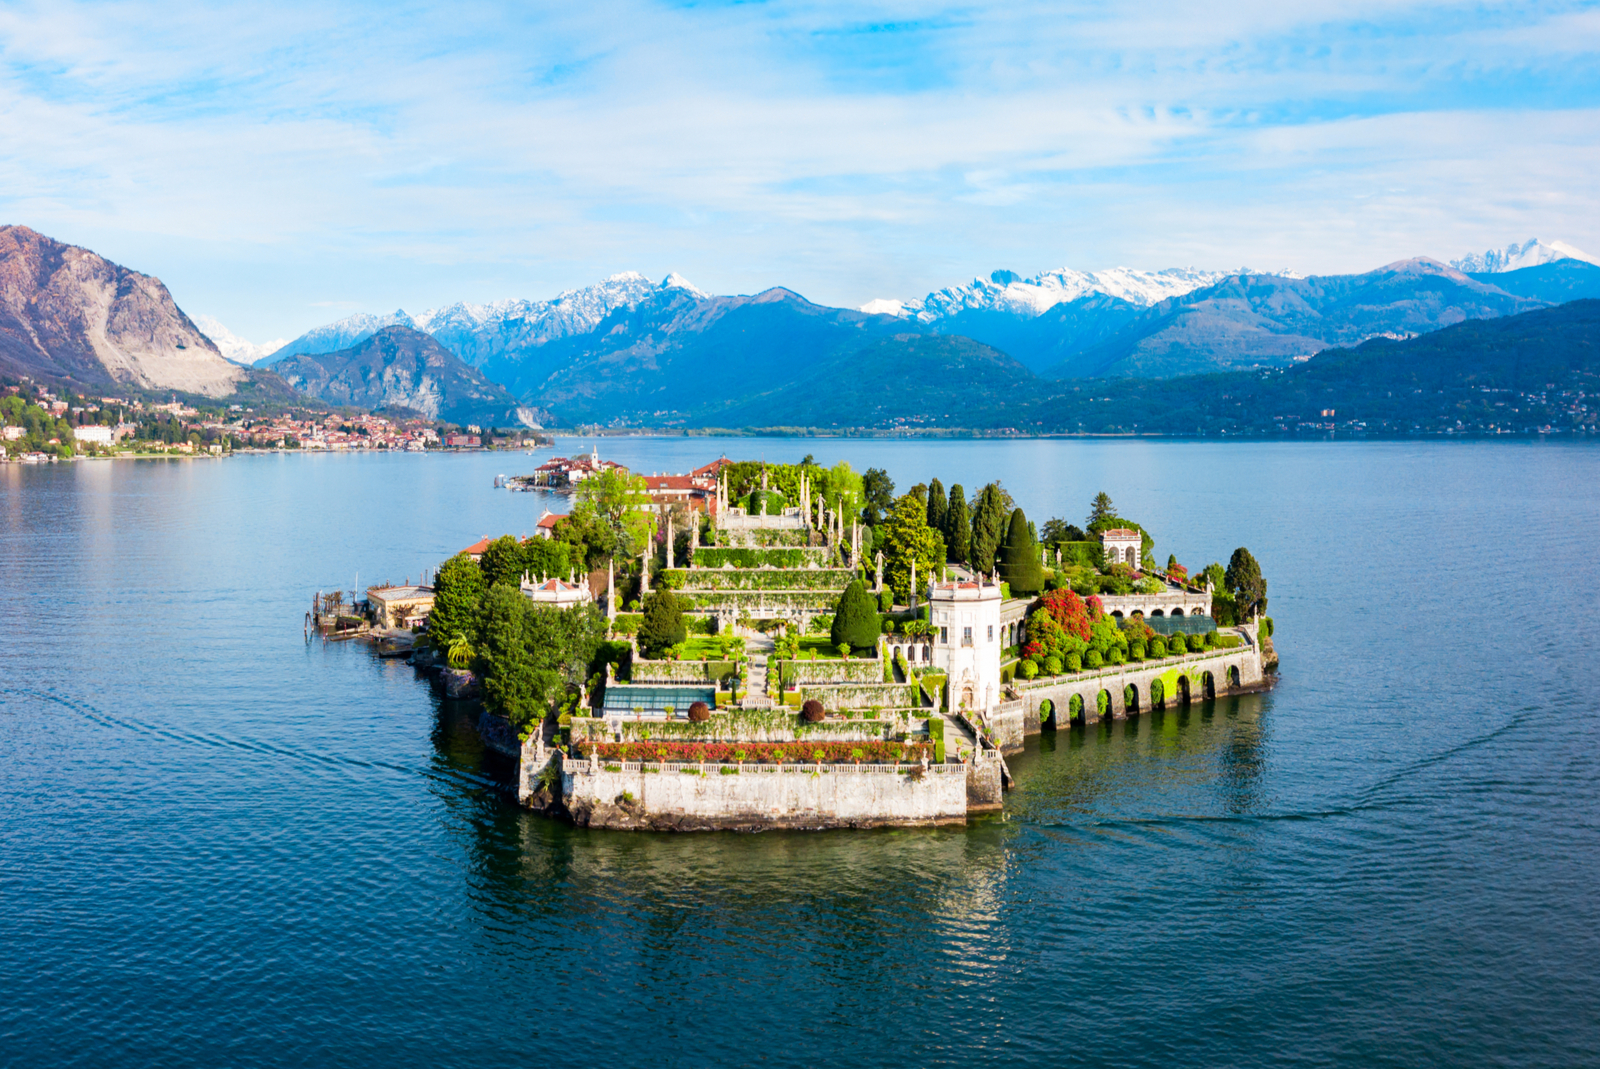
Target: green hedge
x,y
1082,554
745,557
693,579
936,733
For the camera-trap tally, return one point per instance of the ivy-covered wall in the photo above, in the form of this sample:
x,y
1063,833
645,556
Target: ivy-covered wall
x,y
751,557
692,579
681,671
738,725
862,695
856,670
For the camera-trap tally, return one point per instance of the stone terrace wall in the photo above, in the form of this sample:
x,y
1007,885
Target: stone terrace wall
x,y
862,695
737,725
680,671
761,798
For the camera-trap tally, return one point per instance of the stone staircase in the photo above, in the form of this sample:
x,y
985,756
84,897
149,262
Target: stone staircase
x,y
757,697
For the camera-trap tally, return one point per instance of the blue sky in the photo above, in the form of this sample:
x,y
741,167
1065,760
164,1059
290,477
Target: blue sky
x,y
281,165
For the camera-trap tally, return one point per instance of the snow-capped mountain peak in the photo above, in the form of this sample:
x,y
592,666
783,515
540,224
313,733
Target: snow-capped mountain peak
x,y
1007,291
1530,253
234,347
675,281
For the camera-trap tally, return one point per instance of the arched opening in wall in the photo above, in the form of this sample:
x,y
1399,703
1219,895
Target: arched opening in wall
x,y
896,653
1075,707
1132,557
1233,676
1158,693
1153,615
1183,690
1117,613
1177,612
1102,704
1130,699
927,653
1047,715
966,697
1208,684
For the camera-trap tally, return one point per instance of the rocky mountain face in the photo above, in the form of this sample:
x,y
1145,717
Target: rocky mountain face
x,y
69,314
401,370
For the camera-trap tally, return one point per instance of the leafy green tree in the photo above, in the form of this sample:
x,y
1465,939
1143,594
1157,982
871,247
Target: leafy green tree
x,y
1020,561
619,503
1245,584
547,556
958,526
457,591
502,562
662,625
878,489
513,685
1100,509
989,514
938,506
907,538
856,624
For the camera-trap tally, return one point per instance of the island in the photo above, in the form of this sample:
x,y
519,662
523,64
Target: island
x,y
754,646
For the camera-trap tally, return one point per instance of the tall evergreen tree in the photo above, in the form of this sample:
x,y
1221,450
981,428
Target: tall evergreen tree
x,y
989,513
1020,560
958,527
1101,508
1244,581
938,506
856,624
662,625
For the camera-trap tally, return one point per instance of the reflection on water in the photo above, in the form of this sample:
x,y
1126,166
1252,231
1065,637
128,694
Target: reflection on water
x,y
225,846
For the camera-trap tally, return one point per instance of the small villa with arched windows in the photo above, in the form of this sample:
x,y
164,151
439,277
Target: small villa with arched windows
x,y
1122,546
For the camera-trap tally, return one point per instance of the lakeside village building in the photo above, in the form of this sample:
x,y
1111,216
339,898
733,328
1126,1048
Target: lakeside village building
x,y
914,733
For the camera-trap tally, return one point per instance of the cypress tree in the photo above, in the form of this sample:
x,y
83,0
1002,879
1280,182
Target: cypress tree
x,y
958,526
662,625
988,527
1020,559
1243,580
856,623
938,506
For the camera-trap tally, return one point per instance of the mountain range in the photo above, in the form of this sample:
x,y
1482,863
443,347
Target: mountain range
x,y
628,351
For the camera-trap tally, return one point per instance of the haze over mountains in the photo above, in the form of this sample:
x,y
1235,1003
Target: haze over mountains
x,y
629,351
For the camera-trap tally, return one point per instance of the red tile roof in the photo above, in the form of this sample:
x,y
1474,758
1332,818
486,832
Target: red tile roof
x,y
551,519
477,548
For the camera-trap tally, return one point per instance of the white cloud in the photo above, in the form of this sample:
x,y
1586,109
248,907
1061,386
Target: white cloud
x,y
262,159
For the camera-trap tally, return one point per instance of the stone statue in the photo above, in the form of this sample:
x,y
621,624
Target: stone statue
x,y
877,575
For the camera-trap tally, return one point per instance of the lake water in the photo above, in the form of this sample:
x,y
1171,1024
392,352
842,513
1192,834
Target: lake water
x,y
225,846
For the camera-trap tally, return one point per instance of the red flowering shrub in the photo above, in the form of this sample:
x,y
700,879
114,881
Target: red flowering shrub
x,y
1069,611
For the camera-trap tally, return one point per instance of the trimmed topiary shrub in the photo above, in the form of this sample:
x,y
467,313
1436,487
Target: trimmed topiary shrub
x,y
663,624
699,711
1052,665
1158,647
856,623
1212,637
886,601
1019,559
1118,655
1074,662
1177,643
1136,651
1094,660
1028,669
1266,625
811,712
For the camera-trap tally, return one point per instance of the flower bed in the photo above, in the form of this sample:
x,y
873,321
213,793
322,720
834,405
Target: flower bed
x,y
765,753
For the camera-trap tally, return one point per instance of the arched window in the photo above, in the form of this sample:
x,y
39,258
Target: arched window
x,y
1177,612
1153,615
1133,557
